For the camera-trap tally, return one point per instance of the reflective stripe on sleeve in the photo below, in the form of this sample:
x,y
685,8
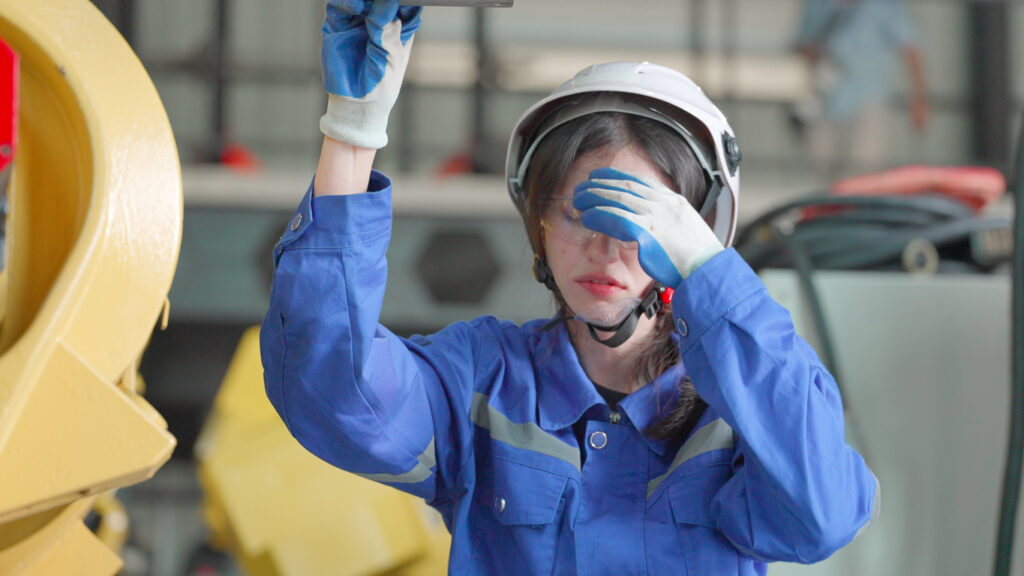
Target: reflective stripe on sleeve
x,y
717,435
527,436
876,506
419,473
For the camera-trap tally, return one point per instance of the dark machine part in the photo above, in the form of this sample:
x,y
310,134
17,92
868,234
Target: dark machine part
x,y
1015,447
469,3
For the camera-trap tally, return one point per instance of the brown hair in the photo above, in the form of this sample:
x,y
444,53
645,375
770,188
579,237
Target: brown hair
x,y
671,154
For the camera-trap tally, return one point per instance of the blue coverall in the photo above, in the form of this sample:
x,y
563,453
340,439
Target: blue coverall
x,y
478,419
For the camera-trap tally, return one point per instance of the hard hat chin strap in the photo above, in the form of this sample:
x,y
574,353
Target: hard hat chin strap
x,y
648,306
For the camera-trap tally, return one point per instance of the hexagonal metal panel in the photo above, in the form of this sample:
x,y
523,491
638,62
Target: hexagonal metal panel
x,y
458,267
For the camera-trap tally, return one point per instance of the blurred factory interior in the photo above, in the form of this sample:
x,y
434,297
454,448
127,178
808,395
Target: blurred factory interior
x,y
922,350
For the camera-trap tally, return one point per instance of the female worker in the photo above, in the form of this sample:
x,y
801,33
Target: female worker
x,y
668,420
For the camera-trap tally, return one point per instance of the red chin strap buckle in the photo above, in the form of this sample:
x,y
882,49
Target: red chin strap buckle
x,y
666,296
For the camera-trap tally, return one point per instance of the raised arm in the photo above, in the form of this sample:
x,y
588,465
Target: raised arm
x,y
349,390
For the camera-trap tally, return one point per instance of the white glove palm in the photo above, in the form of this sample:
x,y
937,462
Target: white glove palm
x,y
673,239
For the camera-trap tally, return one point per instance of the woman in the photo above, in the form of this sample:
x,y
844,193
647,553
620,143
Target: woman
x,y
667,421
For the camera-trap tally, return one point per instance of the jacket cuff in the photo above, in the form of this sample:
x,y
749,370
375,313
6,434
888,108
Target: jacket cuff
x,y
709,293
339,220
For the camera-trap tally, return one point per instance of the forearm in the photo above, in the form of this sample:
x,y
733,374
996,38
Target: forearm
x,y
802,492
915,70
343,168
920,109
330,370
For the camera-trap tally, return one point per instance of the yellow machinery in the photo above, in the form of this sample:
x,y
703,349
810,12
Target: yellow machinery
x,y
91,243
283,512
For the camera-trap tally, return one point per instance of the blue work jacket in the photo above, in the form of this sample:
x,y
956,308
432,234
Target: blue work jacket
x,y
479,419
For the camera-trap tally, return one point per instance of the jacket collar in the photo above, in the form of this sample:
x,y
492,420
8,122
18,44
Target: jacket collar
x,y
652,403
565,393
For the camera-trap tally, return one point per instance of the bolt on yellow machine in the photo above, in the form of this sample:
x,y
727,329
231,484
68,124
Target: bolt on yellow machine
x,y
92,227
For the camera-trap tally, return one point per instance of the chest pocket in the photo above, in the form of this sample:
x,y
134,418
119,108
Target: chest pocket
x,y
691,494
705,548
526,496
524,516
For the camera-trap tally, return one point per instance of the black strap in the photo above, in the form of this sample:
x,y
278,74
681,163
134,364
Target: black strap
x,y
649,306
623,330
712,198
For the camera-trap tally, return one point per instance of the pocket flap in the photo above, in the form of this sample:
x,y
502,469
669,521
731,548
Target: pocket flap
x,y
691,494
526,496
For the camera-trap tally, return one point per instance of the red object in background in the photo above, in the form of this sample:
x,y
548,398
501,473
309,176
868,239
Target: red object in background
x,y
240,158
974,186
455,165
8,105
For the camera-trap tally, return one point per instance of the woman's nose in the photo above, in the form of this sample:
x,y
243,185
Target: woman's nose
x,y
603,247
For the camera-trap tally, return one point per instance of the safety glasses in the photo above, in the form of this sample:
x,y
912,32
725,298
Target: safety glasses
x,y
562,220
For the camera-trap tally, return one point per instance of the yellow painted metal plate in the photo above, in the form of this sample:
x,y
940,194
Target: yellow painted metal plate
x,y
92,243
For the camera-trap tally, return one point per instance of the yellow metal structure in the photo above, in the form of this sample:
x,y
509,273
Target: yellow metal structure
x,y
283,512
113,521
92,243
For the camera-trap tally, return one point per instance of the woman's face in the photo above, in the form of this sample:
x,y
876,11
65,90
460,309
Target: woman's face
x,y
595,273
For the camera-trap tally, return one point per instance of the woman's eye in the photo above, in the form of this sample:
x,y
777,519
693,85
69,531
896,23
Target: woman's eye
x,y
570,214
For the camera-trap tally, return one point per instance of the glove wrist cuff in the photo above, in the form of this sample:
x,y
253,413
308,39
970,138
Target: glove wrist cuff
x,y
708,253
359,122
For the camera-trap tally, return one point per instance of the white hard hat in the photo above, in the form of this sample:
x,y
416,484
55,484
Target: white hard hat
x,y
643,89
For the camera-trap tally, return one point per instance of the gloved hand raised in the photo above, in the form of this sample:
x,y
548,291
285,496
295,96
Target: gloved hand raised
x,y
673,239
366,46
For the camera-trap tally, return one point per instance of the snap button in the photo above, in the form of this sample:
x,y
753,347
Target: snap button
x,y
296,221
681,327
499,504
598,440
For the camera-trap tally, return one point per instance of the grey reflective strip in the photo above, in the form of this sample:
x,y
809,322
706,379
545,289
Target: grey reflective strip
x,y
714,436
527,436
744,550
876,506
419,473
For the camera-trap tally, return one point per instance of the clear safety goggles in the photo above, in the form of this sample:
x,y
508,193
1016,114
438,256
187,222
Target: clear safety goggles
x,y
563,220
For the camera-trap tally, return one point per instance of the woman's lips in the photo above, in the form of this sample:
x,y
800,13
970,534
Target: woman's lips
x,y
600,285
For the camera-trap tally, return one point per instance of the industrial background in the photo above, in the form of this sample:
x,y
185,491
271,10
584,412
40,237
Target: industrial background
x,y
925,357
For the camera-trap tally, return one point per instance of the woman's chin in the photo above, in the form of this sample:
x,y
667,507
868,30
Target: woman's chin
x,y
605,312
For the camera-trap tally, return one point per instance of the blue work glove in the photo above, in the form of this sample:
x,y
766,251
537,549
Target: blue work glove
x,y
366,46
673,239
